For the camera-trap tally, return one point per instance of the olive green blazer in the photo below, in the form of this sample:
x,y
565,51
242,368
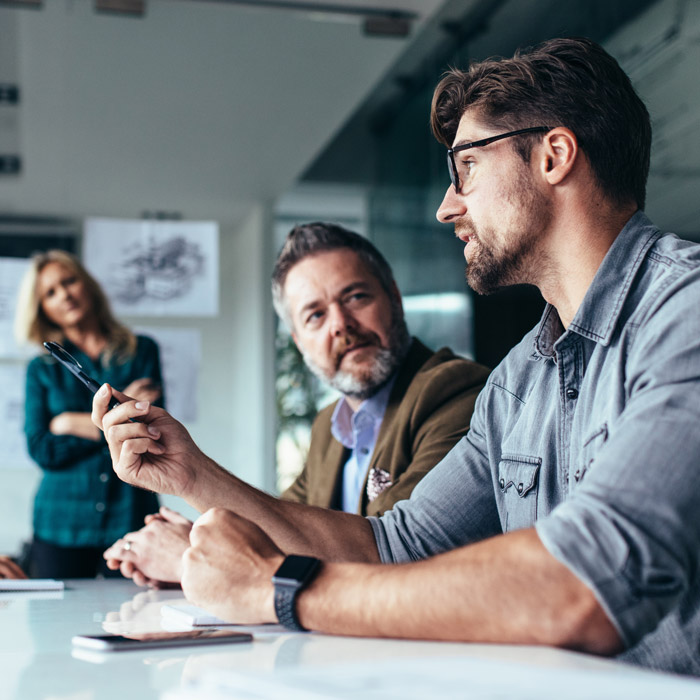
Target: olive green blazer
x,y
429,410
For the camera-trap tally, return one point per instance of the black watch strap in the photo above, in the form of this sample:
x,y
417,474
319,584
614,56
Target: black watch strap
x,y
285,602
294,574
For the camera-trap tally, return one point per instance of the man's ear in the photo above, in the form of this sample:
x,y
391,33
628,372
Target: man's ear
x,y
559,154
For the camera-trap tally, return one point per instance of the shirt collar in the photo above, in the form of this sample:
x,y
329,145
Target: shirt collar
x,y
373,407
600,309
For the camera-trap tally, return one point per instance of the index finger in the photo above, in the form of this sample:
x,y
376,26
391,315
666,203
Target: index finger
x,y
104,416
100,404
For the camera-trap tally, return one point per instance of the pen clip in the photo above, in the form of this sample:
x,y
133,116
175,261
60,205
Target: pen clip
x,y
62,355
59,353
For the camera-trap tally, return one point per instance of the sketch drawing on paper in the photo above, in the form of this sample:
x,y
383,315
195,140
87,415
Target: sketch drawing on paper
x,y
161,270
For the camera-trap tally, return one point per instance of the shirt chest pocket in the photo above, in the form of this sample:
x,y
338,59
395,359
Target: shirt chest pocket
x,y
518,482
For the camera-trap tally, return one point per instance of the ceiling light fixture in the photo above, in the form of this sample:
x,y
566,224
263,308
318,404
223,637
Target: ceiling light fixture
x,y
376,21
135,8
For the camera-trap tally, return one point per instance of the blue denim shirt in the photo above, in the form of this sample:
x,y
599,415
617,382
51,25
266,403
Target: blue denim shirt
x,y
592,435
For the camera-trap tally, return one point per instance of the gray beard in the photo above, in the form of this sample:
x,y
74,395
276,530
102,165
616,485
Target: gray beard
x,y
349,385
385,364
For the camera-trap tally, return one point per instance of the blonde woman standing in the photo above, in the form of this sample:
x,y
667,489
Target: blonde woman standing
x,y
80,506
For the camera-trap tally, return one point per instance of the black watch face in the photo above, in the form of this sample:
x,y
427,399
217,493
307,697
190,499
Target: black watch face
x,y
296,568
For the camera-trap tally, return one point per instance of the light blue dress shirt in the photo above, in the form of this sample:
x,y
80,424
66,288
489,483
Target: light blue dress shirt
x,y
358,431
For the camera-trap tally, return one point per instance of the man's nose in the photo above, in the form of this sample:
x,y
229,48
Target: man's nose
x,y
341,320
453,206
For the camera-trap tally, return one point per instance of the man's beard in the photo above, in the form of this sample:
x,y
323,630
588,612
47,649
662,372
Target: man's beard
x,y
515,263
381,369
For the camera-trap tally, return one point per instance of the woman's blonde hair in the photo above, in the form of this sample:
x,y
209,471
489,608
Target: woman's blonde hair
x,y
32,324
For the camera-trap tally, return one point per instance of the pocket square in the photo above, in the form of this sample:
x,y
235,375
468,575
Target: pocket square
x,y
378,481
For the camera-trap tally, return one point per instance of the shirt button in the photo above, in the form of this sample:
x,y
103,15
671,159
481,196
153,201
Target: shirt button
x,y
99,507
577,475
104,477
502,484
571,394
364,450
520,488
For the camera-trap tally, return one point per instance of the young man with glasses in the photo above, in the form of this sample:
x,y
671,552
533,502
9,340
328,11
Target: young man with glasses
x,y
568,515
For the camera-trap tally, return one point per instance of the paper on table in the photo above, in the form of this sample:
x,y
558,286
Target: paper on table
x,y
191,615
177,617
30,584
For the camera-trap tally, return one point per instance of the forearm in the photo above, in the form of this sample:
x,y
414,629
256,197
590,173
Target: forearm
x,y
508,589
295,528
76,424
151,450
55,452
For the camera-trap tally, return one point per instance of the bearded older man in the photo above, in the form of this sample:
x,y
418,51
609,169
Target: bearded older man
x,y
403,406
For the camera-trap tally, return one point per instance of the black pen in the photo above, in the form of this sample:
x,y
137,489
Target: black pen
x,y
75,368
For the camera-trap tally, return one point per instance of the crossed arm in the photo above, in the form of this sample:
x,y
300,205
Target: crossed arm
x,y
506,589
81,425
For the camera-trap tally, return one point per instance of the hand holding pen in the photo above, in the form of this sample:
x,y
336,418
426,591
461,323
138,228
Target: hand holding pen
x,y
149,448
142,389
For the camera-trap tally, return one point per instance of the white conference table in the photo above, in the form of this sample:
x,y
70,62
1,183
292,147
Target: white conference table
x,y
37,660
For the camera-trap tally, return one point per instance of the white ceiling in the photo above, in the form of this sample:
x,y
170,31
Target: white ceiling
x,y
199,107
205,107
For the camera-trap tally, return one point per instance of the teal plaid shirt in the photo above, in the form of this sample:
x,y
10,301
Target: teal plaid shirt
x,y
80,502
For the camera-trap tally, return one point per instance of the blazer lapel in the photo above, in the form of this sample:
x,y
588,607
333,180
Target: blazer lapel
x,y
328,486
417,355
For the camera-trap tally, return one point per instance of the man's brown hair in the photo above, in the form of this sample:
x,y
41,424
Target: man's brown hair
x,y
562,82
311,239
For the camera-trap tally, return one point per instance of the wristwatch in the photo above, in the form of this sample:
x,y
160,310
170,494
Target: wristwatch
x,y
294,573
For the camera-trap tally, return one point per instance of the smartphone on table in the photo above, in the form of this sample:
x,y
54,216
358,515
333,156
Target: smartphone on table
x,y
159,640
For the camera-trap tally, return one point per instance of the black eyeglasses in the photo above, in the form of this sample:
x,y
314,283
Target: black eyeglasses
x,y
452,165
